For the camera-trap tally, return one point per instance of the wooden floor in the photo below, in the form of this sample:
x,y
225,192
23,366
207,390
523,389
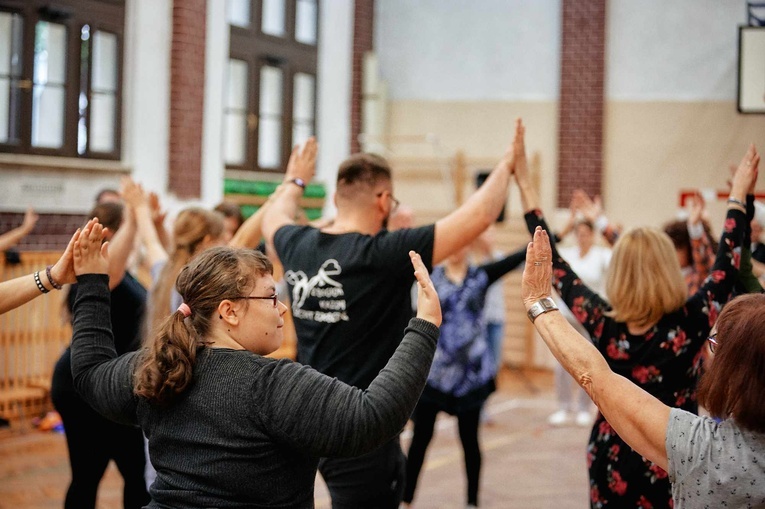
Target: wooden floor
x,y
526,463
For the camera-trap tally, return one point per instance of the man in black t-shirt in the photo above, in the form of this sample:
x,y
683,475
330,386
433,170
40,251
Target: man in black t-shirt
x,y
350,287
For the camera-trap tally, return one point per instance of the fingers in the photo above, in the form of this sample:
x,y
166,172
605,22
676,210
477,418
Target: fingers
x,y
420,271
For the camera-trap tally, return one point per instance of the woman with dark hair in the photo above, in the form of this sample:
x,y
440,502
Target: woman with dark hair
x,y
228,427
92,440
709,464
647,327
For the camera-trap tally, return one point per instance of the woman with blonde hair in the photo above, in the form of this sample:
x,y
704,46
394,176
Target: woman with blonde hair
x,y
649,331
709,463
195,229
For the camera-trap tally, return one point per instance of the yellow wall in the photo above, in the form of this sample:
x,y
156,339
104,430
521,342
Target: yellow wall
x,y
652,149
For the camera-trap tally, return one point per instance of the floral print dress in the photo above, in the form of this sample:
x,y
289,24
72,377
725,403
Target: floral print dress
x,y
664,361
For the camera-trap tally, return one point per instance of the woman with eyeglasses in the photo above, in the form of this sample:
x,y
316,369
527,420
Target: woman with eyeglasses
x,y
708,464
228,427
648,330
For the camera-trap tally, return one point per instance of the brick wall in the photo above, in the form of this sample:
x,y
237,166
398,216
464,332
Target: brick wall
x,y
187,77
51,233
581,98
363,41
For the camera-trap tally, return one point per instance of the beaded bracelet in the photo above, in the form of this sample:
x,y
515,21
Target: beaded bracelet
x,y
50,278
39,284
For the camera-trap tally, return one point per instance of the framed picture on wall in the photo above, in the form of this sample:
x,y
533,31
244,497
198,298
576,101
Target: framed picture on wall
x,y
751,69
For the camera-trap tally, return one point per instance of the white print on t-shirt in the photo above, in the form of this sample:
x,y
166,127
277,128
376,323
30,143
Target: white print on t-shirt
x,y
329,293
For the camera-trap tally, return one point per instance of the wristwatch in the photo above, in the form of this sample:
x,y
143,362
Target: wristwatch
x,y
298,182
540,307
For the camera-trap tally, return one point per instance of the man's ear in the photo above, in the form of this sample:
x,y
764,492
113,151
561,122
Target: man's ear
x,y
228,312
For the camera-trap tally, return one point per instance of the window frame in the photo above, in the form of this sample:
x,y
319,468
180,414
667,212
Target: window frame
x,y
257,49
100,15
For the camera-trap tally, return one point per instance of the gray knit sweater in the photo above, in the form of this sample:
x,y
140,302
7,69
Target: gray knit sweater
x,y
249,430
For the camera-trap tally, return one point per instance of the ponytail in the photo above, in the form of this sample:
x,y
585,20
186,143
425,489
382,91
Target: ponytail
x,y
167,364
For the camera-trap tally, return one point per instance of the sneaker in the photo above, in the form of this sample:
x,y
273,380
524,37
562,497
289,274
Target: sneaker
x,y
558,418
583,419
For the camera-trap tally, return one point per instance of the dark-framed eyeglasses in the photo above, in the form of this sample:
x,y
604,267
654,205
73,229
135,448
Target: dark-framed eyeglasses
x,y
712,342
395,203
274,298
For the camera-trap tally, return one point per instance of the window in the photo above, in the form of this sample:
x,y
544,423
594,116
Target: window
x,y
60,77
270,102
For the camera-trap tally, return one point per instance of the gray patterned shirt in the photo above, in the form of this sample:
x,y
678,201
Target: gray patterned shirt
x,y
714,465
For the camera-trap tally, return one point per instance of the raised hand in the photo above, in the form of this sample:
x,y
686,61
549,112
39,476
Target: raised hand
x,y
62,271
696,206
91,254
428,305
521,168
157,214
30,220
745,177
132,193
302,163
590,208
537,275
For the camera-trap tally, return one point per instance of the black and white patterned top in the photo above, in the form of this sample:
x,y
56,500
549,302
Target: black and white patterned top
x,y
714,465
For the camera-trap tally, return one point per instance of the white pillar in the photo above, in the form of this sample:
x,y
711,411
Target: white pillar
x,y
146,96
333,129
216,58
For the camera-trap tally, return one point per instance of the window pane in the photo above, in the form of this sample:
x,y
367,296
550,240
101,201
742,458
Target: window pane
x,y
269,143
270,91
50,53
270,127
48,116
48,92
238,13
235,136
236,96
235,113
5,99
104,62
102,120
305,21
303,97
301,132
82,97
303,107
11,32
273,17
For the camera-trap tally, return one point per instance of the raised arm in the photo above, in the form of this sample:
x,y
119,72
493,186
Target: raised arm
x,y
100,377
325,417
140,202
639,418
122,243
249,234
18,291
716,289
12,237
479,211
496,269
592,210
285,201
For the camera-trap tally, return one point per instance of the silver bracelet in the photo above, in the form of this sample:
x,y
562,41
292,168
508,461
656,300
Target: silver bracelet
x,y
541,306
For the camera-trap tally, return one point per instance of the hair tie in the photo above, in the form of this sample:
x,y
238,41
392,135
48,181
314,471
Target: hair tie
x,y
185,309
